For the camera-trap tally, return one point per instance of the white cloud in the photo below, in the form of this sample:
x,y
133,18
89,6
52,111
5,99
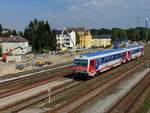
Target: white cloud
x,y
102,12
96,4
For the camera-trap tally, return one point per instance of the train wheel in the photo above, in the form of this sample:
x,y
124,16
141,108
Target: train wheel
x,y
89,77
75,75
124,61
97,73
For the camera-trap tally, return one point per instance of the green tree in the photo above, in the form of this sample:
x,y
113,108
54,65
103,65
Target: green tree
x,y
1,29
132,34
6,32
54,41
20,33
40,35
114,34
122,34
0,51
148,34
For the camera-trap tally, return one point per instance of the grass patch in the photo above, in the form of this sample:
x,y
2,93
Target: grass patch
x,y
146,105
62,98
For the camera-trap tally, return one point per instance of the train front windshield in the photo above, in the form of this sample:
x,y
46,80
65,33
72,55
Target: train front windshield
x,y
81,62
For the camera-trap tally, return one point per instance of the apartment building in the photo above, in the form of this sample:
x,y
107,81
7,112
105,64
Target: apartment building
x,y
66,39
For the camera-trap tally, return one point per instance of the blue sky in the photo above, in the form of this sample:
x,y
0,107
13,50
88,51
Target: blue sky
x,y
16,14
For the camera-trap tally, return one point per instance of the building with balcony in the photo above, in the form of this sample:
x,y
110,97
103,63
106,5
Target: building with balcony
x,y
66,39
86,39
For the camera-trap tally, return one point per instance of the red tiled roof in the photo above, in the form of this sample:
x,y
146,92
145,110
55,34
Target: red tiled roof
x,y
13,39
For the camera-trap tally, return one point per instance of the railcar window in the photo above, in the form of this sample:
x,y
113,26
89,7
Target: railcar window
x,y
117,56
102,61
110,58
106,59
98,61
135,51
114,57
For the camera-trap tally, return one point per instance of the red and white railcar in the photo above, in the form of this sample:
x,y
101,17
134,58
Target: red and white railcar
x,y
92,63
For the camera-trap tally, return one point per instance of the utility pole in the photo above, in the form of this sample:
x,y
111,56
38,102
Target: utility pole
x,y
138,21
146,28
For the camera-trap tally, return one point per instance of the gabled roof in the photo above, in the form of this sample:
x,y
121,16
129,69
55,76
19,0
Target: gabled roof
x,y
58,32
13,39
102,52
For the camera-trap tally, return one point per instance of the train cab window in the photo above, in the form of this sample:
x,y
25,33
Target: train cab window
x,y
80,62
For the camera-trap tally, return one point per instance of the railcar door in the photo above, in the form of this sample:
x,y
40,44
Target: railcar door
x,y
129,55
124,57
92,65
142,51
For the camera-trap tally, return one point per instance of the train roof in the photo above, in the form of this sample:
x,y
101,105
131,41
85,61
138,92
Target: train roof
x,y
133,46
104,52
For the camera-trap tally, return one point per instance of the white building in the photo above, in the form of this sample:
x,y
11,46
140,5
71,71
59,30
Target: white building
x,y
66,39
12,42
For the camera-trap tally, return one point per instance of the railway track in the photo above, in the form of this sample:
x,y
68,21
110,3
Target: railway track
x,y
26,83
30,73
22,82
125,104
74,104
17,106
36,98
18,89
